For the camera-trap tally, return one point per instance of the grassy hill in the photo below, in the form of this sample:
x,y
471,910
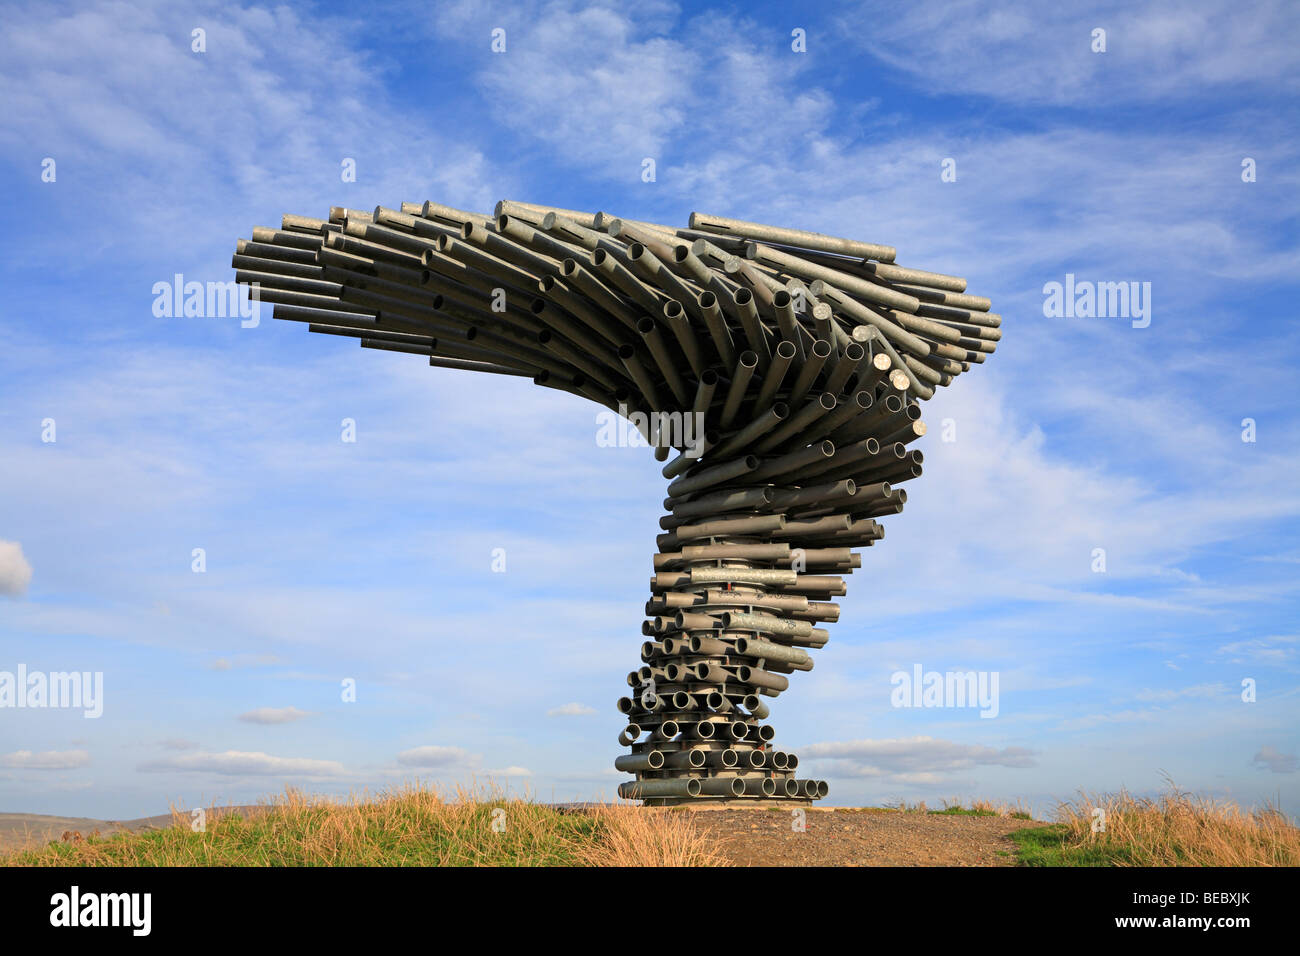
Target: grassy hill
x,y
418,826
410,826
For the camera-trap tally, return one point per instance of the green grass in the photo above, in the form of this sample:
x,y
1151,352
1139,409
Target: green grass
x,y
978,808
408,826
1174,829
414,826
534,836
1047,846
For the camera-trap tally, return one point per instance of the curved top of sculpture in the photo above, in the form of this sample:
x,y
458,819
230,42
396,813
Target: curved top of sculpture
x,y
785,367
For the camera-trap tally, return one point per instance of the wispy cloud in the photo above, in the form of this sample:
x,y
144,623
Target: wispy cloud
x,y
1216,690
115,119
45,760
1274,760
1274,650
241,763
915,759
436,756
1027,52
1090,721
243,660
274,715
570,710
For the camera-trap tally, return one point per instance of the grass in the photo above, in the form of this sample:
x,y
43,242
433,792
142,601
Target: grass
x,y
984,808
1174,829
955,808
408,826
415,825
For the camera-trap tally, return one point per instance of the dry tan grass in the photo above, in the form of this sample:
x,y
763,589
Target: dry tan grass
x,y
649,836
990,808
1180,829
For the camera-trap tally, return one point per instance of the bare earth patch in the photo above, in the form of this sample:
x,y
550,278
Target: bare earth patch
x,y
861,838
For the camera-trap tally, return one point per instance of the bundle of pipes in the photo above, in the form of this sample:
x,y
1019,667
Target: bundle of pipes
x,y
785,368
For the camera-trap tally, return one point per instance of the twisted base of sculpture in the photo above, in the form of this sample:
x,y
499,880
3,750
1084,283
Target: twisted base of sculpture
x,y
724,640
733,617
800,358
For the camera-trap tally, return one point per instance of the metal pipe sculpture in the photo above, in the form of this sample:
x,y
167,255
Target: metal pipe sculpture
x,y
785,368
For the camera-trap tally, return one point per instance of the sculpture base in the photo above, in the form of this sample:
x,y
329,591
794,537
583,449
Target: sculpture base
x,y
728,624
730,803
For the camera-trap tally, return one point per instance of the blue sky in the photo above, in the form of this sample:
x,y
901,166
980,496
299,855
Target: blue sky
x,y
371,560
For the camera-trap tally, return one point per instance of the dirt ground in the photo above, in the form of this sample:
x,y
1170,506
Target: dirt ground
x,y
862,838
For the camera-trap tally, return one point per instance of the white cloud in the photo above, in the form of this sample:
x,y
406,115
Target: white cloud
x,y
570,710
15,572
1026,51
1133,191
914,759
1274,650
1275,760
1114,717
274,715
242,763
45,760
643,96
243,660
617,108
1197,690
126,102
436,756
